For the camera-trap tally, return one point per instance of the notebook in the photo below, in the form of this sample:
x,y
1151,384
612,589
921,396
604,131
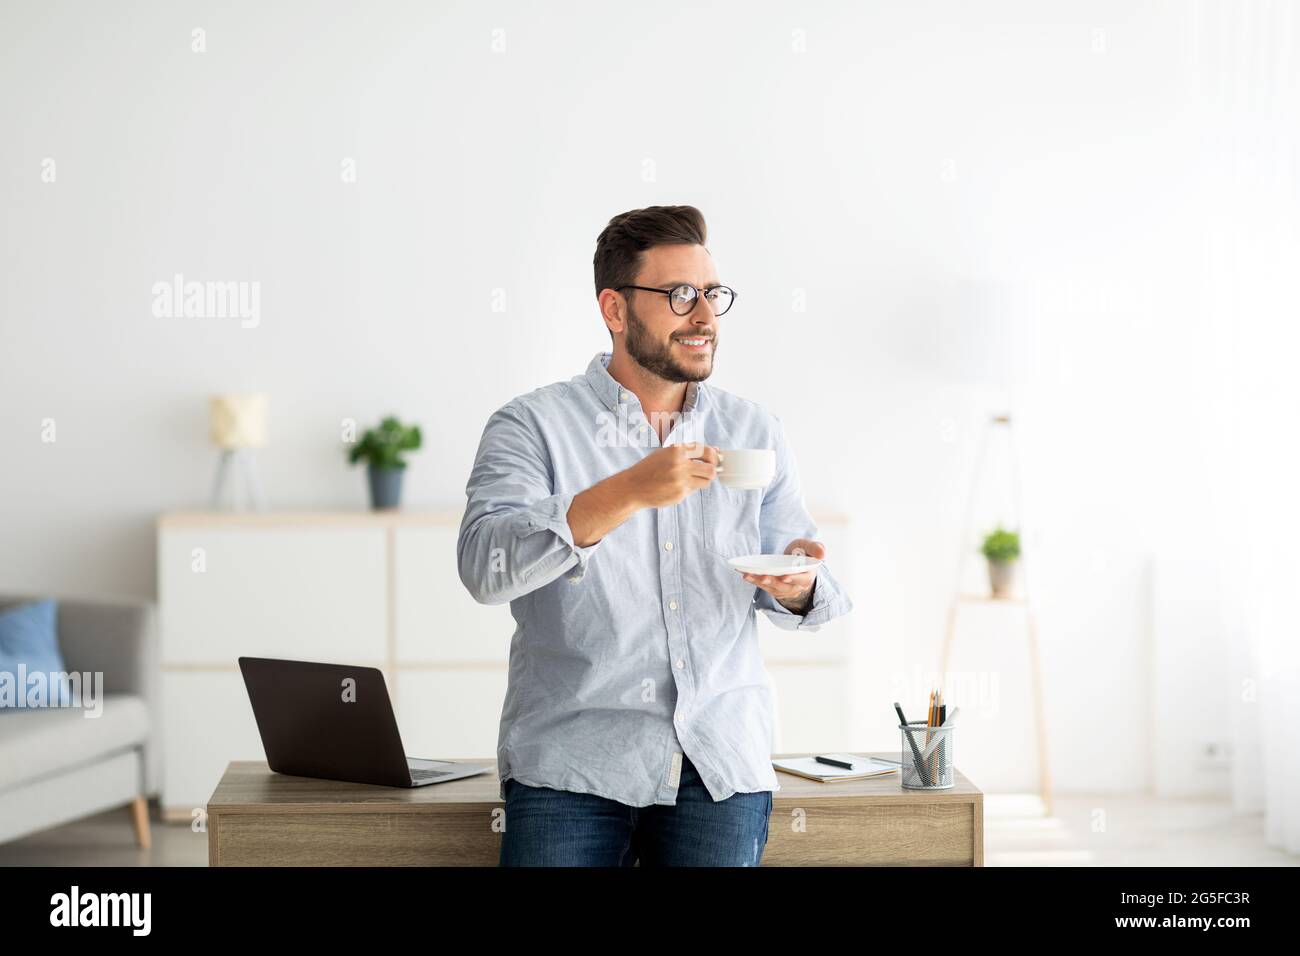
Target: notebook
x,y
825,773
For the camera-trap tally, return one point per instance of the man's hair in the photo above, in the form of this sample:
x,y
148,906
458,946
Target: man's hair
x,y
629,234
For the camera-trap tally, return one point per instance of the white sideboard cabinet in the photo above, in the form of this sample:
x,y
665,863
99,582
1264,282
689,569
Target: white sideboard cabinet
x,y
381,589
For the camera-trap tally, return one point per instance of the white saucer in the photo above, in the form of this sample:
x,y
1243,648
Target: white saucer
x,y
776,564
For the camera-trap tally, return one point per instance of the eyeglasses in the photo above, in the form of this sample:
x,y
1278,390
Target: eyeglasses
x,y
682,298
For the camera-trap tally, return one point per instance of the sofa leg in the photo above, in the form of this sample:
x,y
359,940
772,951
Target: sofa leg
x,y
140,816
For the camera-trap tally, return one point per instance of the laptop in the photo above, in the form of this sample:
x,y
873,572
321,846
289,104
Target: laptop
x,y
335,721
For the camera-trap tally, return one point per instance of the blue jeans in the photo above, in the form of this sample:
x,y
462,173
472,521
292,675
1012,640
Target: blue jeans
x,y
546,827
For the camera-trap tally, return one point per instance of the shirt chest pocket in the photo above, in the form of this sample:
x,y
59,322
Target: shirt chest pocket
x,y
730,519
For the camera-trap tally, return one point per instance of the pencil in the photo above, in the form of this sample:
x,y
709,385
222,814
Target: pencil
x,y
935,769
943,739
929,722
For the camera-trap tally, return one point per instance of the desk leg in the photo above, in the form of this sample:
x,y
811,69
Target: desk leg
x,y
214,839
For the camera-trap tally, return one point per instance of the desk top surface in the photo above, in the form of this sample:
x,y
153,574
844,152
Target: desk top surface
x,y
249,785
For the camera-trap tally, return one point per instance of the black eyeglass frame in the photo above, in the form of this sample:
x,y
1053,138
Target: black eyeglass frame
x,y
699,294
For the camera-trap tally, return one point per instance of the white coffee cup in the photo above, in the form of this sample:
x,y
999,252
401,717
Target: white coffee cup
x,y
746,469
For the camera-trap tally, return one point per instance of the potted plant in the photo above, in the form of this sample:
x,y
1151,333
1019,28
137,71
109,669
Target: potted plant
x,y
1001,548
382,447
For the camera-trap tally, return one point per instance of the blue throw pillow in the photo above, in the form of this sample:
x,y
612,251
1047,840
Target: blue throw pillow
x,y
29,635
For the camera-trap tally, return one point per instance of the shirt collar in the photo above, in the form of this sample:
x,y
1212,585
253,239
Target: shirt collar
x,y
613,394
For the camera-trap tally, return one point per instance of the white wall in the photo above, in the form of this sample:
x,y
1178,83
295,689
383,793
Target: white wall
x,y
959,190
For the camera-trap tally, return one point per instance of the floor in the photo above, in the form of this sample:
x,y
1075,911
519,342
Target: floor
x,y
108,839
1115,830
1083,831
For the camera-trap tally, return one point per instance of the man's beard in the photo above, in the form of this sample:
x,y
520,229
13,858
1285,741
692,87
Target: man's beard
x,y
657,358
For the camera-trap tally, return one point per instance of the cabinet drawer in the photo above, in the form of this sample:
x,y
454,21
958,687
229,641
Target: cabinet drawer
x,y
839,833
450,714
207,722
302,593
437,620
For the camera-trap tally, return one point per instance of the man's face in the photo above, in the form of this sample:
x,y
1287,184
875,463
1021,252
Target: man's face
x,y
677,348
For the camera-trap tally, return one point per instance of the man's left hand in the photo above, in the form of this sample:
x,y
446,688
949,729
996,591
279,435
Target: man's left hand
x,y
793,591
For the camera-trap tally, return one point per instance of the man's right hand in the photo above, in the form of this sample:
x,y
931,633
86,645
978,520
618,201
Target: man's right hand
x,y
667,475
662,478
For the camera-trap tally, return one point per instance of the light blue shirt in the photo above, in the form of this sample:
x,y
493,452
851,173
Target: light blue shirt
x,y
643,646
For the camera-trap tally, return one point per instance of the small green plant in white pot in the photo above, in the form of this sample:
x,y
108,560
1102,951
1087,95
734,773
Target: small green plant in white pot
x,y
1001,548
382,448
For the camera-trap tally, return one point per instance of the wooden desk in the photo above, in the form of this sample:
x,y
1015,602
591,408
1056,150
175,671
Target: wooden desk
x,y
260,818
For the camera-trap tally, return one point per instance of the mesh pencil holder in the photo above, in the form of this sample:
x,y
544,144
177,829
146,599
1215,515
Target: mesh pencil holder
x,y
926,756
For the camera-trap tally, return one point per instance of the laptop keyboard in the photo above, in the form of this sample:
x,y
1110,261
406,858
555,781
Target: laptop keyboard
x,y
428,774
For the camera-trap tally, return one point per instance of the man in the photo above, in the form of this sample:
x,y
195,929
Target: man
x,y
638,720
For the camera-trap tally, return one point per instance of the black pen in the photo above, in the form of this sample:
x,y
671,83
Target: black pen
x,y
918,764
834,763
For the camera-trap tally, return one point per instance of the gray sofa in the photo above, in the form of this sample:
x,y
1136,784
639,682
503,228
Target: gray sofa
x,y
56,764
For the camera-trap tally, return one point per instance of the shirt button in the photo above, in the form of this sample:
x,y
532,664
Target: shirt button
x,y
668,545
622,396
672,605
680,663
679,718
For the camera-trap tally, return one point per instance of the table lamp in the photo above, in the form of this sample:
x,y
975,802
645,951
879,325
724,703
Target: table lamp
x,y
237,425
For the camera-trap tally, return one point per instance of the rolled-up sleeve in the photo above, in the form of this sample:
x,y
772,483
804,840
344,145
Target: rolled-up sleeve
x,y
515,535
782,519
